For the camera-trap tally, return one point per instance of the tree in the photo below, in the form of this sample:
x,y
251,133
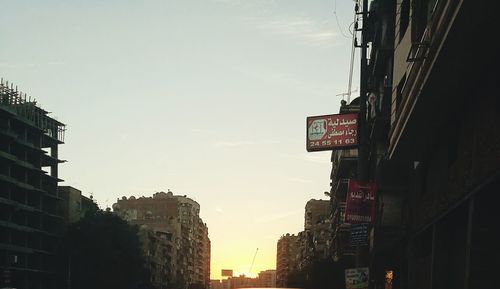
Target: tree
x,y
104,251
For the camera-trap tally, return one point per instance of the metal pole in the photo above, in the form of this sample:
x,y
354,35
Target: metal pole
x,y
363,136
362,253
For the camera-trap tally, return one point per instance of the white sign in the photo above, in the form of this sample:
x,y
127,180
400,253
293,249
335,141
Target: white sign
x,y
357,278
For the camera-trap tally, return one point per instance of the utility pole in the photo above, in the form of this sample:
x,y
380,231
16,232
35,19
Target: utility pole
x,y
363,136
362,253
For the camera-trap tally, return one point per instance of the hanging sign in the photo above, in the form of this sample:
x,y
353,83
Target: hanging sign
x,y
330,132
359,235
360,202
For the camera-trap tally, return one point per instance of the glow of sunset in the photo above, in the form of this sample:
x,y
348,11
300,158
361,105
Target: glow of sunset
x,y
207,98
240,261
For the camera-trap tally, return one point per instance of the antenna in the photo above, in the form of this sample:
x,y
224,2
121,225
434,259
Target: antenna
x,y
348,94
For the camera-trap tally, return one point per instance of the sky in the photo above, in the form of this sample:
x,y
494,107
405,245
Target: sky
x,y
207,98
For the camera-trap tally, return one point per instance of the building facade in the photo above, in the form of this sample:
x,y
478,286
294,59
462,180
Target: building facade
x,y
313,242
432,149
286,260
74,205
267,279
175,225
344,167
31,221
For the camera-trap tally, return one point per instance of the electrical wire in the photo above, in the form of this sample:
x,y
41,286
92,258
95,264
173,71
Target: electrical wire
x,y
337,20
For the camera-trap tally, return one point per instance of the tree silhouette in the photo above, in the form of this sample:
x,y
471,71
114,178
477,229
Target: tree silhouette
x,y
104,251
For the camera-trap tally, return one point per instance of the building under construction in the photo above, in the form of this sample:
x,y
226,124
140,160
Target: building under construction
x,y
30,219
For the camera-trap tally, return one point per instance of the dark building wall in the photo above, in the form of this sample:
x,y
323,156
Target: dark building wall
x,y
31,221
443,160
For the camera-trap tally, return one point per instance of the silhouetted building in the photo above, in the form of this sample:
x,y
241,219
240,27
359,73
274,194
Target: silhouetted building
x,y
74,205
434,145
344,167
159,251
31,222
313,241
286,259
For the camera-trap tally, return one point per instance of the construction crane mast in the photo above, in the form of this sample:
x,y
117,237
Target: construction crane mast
x,y
250,271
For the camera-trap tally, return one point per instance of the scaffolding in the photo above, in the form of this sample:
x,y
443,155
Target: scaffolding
x,y
26,108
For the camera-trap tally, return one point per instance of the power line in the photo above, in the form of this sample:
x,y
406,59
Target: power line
x,y
337,20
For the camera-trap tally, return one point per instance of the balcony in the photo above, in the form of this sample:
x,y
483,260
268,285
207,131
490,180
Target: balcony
x,y
417,59
343,163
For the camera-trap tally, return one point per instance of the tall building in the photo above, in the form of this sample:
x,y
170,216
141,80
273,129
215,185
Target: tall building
x,y
175,220
158,247
433,145
314,240
316,211
31,222
344,167
286,260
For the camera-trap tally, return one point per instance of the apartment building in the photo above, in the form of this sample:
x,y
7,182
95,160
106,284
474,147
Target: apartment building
x,y
434,151
175,224
286,260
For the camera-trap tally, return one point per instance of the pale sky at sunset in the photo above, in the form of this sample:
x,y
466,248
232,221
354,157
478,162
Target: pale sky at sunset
x,y
207,98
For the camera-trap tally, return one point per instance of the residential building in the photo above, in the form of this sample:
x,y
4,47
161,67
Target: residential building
x,y
158,247
31,221
344,167
74,205
316,211
286,261
314,240
433,148
216,284
243,281
298,252
267,279
177,218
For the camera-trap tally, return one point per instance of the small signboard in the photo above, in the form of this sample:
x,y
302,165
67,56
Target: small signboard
x,y
359,235
360,202
227,273
330,132
357,278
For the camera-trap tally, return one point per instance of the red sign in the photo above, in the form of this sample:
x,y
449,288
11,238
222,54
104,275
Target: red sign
x,y
227,273
329,132
360,202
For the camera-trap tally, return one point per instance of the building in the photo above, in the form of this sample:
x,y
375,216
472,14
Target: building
x,y
313,241
296,253
286,260
432,146
158,247
243,281
74,205
176,219
316,211
31,221
202,256
267,279
344,165
216,284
